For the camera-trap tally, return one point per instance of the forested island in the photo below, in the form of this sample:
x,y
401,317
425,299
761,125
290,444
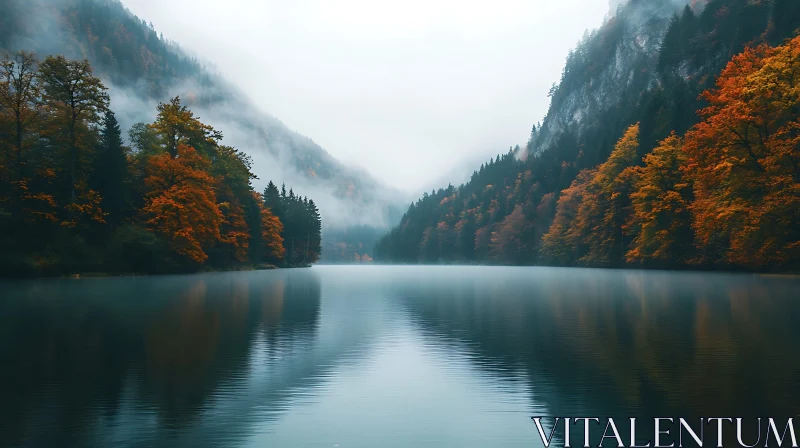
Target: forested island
x,y
75,199
694,164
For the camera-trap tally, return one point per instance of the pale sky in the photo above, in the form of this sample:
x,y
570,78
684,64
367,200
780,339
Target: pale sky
x,y
403,88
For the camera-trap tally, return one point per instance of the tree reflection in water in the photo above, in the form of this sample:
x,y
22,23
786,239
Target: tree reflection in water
x,y
148,356
215,359
626,343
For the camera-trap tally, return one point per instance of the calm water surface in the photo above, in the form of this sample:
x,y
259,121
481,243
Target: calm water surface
x,y
386,356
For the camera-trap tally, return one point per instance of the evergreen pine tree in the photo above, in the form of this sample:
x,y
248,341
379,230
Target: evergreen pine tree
x,y
111,171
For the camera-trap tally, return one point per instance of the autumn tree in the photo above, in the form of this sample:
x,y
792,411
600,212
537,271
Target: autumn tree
x,y
73,197
20,105
598,226
558,245
234,239
661,221
232,170
271,229
590,219
177,125
744,162
77,98
181,204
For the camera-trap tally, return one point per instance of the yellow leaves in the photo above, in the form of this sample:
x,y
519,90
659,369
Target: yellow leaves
x,y
591,215
624,155
660,220
724,165
177,125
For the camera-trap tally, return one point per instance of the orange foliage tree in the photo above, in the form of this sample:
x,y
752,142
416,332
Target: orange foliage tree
x,y
744,161
593,232
604,209
271,228
181,204
661,207
557,246
234,233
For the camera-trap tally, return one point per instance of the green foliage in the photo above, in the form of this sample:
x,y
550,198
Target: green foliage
x,y
134,249
302,232
110,177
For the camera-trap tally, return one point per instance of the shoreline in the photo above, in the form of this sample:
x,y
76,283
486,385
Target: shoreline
x,y
699,269
271,267
88,275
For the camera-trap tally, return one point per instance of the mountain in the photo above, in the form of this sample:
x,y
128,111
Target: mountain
x,y
609,63
621,169
645,48
142,68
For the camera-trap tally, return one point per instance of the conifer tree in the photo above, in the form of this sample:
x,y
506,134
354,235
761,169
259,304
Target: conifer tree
x,y
110,172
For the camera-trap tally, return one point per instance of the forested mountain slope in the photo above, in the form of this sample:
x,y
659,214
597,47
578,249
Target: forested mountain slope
x,y
581,192
142,68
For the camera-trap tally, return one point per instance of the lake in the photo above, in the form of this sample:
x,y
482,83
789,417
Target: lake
x,y
384,356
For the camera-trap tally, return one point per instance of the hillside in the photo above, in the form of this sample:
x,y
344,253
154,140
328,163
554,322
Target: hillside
x,y
570,196
142,68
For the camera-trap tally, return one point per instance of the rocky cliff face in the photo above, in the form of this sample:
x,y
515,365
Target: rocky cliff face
x,y
617,60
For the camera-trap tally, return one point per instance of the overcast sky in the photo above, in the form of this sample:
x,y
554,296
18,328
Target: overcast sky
x,y
403,88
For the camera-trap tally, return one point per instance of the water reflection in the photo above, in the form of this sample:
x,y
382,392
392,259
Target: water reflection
x,y
386,356
141,360
625,343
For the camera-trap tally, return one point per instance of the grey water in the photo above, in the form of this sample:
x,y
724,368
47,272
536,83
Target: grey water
x,y
386,356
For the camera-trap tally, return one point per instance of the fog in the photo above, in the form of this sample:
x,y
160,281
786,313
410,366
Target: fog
x,y
271,162
404,89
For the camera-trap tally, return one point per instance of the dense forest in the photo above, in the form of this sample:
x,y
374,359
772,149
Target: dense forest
x,y
74,198
696,165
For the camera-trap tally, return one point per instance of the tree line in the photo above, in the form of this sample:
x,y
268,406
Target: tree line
x,y
720,190
74,198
